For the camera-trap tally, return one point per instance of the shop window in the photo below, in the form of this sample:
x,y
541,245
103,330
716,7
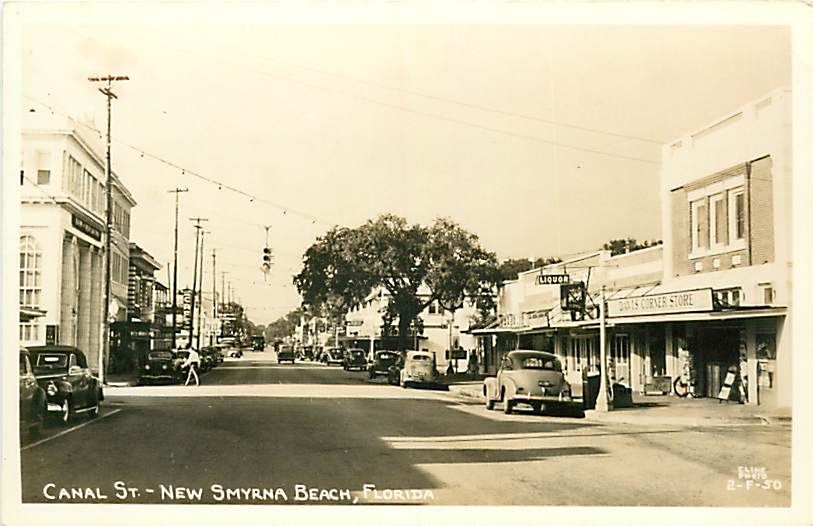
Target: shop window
x,y
29,331
766,360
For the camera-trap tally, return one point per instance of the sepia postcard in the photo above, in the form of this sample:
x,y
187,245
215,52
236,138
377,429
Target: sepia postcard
x,y
391,262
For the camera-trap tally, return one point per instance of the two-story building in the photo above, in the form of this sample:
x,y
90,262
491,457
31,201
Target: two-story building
x,y
62,228
714,300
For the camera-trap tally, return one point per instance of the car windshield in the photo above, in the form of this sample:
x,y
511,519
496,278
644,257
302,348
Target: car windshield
x,y
386,355
160,355
183,355
356,353
549,364
50,362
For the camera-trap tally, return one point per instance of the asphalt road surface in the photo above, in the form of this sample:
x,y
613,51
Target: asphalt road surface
x,y
263,433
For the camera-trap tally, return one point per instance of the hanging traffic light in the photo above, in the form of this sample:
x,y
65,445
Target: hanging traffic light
x,y
266,259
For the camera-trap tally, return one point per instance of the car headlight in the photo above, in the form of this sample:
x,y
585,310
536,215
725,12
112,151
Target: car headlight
x,y
165,367
147,367
51,389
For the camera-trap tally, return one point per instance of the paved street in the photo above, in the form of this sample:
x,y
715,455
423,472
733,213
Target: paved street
x,y
259,432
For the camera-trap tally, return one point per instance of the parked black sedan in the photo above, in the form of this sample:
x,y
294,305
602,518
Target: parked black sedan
x,y
382,362
160,366
33,407
354,359
70,388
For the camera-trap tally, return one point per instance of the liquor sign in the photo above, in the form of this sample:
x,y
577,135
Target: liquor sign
x,y
86,228
669,303
552,279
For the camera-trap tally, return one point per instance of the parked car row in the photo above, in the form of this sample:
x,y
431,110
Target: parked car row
x,y
55,382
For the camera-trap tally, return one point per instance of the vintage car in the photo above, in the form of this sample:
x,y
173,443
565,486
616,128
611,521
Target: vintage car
x,y
528,377
285,354
33,406
354,359
235,353
70,388
160,366
418,368
258,343
207,360
382,361
333,355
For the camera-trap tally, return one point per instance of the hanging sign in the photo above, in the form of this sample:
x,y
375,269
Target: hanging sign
x,y
552,279
672,302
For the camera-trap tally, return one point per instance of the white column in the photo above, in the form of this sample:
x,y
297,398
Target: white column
x,y
671,361
68,295
783,378
751,357
84,299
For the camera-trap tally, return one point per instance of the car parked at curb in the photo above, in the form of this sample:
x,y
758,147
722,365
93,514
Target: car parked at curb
x,y
333,356
160,366
70,388
355,359
382,361
418,368
528,377
33,405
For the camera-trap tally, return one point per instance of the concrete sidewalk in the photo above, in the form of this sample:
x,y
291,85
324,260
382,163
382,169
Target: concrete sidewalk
x,y
662,410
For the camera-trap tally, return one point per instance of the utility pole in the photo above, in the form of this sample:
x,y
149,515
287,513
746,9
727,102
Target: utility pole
x,y
108,92
200,286
214,291
602,402
197,220
177,192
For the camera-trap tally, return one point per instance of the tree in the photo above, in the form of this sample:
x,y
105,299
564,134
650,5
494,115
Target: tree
x,y
393,253
333,278
623,246
510,268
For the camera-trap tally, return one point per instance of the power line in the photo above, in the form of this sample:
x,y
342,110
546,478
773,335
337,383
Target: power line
x,y
185,171
552,122
451,119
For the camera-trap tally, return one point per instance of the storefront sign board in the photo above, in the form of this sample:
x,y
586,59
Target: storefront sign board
x,y
673,302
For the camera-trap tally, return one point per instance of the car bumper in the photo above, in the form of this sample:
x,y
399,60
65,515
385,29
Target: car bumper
x,y
419,379
542,398
162,376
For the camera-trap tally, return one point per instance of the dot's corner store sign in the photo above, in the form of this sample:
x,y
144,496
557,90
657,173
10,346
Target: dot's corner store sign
x,y
669,303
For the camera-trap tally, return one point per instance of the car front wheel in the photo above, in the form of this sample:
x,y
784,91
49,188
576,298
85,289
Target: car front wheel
x,y
489,402
507,403
93,413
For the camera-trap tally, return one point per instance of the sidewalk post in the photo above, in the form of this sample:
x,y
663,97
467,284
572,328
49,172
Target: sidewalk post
x,y
602,403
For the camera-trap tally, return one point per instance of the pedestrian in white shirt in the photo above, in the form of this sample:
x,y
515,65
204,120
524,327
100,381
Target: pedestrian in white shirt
x,y
193,362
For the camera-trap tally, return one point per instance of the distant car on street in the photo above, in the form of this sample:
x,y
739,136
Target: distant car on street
x,y
418,368
354,359
528,377
285,354
207,358
160,366
382,361
70,388
33,406
235,353
258,343
333,356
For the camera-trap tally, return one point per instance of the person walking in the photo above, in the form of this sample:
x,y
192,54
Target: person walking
x,y
193,362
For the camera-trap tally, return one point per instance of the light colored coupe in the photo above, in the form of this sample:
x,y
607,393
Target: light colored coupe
x,y
418,368
528,377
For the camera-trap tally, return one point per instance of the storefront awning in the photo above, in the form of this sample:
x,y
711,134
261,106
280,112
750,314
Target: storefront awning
x,y
733,314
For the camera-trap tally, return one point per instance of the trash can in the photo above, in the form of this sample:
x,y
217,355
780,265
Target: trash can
x,y
622,396
591,383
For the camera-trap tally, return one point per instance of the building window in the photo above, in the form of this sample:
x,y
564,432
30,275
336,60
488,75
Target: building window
x,y
728,297
43,176
29,331
700,225
30,272
736,219
718,221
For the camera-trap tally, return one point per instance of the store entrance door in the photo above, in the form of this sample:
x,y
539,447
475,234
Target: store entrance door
x,y
717,350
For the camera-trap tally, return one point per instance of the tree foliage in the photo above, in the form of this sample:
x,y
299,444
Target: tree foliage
x,y
623,246
510,268
344,266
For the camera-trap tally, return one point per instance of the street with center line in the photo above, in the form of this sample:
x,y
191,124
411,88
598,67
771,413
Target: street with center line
x,y
314,434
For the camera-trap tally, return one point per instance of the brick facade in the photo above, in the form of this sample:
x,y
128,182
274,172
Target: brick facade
x,y
760,204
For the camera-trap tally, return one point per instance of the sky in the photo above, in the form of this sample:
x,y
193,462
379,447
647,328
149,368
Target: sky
x,y
544,140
